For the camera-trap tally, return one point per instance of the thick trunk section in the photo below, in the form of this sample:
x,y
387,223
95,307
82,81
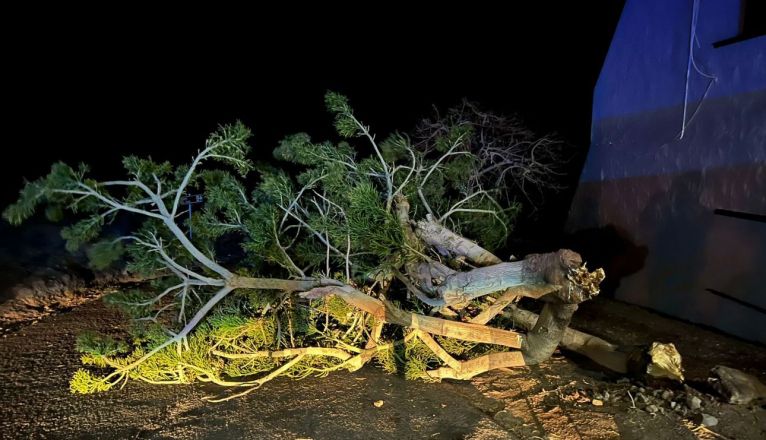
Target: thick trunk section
x,y
561,271
595,348
657,360
575,284
509,297
448,243
542,340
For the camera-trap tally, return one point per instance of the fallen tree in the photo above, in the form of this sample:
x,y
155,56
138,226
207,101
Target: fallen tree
x,y
349,261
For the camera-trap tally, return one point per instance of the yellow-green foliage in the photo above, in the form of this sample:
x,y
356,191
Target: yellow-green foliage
x,y
188,362
195,358
313,366
248,367
181,366
386,359
254,333
83,382
484,349
417,359
465,350
455,347
337,309
336,214
331,322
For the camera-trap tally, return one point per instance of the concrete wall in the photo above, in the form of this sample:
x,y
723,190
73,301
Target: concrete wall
x,y
657,190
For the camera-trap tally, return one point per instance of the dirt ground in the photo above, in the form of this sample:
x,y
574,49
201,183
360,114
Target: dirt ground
x,y
553,401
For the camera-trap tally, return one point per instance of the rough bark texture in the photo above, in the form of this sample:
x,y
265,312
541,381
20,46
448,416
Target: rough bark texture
x,y
542,340
461,287
553,269
532,277
593,347
238,282
509,297
473,367
657,360
448,243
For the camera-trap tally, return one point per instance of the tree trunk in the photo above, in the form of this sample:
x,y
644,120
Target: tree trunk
x,y
448,243
656,360
533,277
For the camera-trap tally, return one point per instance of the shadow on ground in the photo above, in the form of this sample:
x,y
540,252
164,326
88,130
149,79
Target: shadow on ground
x,y
553,400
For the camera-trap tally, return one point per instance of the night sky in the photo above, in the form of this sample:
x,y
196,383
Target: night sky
x,y
94,92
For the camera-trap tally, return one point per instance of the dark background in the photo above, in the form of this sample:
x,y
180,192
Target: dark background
x,y
95,89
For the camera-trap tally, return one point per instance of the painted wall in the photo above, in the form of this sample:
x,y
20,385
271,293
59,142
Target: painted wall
x,y
654,181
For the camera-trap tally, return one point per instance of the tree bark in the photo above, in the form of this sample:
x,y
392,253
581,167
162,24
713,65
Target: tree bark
x,y
448,243
240,282
657,360
544,336
389,313
537,270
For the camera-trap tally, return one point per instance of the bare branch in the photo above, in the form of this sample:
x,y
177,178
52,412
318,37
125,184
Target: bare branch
x,y
389,180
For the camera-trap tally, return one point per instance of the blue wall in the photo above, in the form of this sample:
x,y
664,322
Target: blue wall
x,y
645,71
658,189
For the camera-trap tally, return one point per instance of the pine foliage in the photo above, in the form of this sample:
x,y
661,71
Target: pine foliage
x,y
331,217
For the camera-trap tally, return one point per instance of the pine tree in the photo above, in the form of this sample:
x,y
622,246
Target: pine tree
x,y
351,259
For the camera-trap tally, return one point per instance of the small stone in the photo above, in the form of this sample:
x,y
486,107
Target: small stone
x,y
606,395
377,403
652,409
693,402
708,420
667,395
508,420
673,405
597,402
736,386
